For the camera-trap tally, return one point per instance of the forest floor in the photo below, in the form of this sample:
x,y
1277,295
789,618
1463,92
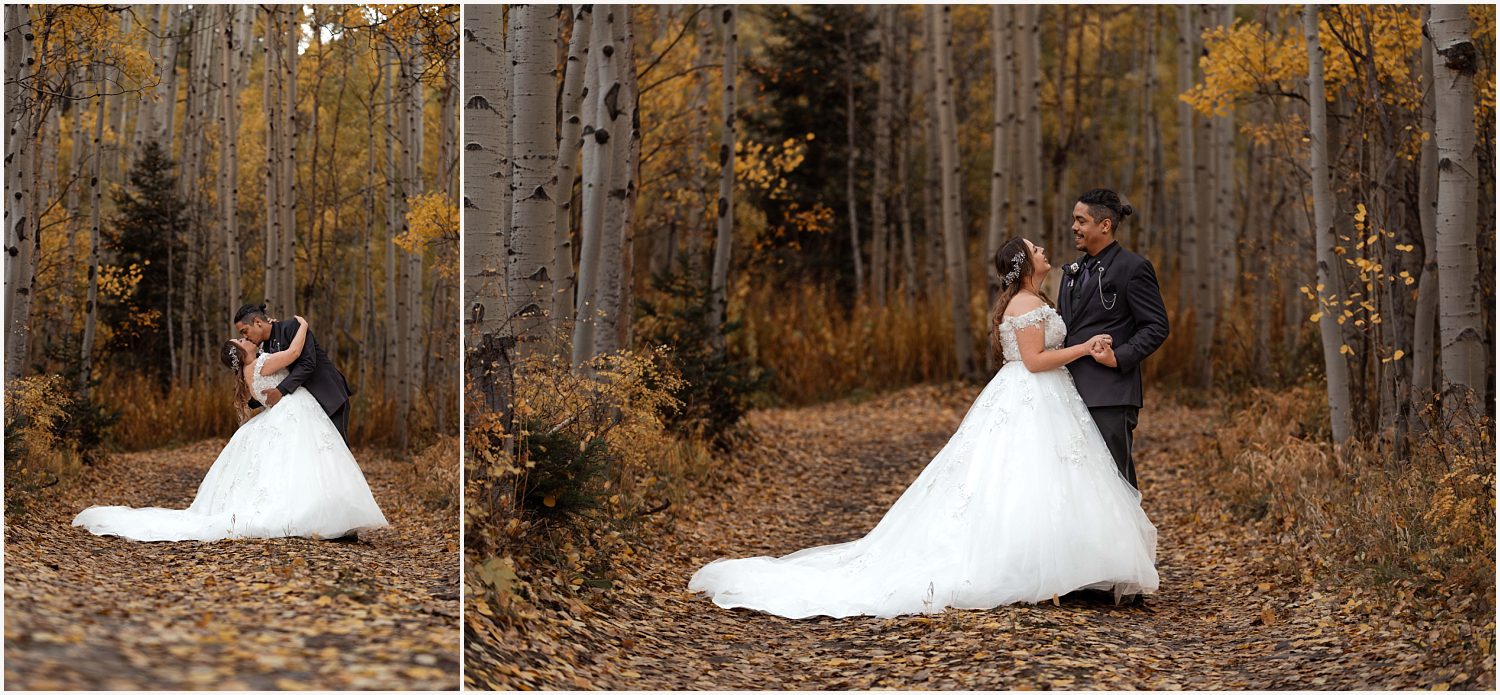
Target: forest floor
x,y
97,613
1225,617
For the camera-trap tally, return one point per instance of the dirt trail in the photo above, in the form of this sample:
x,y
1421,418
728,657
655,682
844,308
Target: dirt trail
x,y
88,612
1224,618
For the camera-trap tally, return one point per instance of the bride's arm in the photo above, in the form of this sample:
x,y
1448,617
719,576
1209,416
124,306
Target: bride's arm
x,y
281,359
1031,339
1035,355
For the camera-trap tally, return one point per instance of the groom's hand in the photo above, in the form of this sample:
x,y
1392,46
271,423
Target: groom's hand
x,y
1104,353
272,397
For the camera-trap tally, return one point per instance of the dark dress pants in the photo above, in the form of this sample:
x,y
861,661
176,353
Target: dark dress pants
x,y
1117,424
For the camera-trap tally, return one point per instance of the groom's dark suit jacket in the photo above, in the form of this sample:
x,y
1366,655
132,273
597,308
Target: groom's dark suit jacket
x,y
312,369
1128,307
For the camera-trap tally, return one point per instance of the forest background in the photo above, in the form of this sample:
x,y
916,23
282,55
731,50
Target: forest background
x,y
168,163
675,213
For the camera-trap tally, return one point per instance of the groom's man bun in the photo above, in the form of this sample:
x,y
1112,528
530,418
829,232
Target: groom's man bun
x,y
251,311
1104,203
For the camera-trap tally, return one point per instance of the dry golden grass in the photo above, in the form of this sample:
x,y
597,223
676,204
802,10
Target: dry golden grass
x,y
1429,519
152,416
819,350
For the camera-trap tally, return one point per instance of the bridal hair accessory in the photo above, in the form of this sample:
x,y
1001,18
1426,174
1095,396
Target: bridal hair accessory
x,y
1015,268
234,360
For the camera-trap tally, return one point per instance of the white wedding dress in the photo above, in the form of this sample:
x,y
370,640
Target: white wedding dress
x,y
285,472
1022,504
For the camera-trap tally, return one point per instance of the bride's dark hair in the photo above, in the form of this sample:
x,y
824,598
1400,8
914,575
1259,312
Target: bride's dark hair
x,y
234,357
1012,265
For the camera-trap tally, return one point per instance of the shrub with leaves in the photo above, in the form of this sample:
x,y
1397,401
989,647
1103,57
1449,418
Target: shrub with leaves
x,y
716,384
563,477
1426,522
37,454
547,505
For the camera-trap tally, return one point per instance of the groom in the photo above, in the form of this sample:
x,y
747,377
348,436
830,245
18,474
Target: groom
x,y
1111,291
312,370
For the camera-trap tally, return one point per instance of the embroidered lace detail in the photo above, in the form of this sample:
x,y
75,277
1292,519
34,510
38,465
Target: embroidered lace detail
x,y
260,383
1054,330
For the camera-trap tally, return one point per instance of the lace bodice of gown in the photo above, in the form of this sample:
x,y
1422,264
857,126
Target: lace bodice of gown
x,y
262,383
1053,330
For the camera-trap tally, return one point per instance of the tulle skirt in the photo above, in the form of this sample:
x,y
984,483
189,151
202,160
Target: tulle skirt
x,y
286,472
1022,504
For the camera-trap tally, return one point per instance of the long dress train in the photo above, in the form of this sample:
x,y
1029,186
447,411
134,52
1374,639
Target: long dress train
x,y
285,472
1023,503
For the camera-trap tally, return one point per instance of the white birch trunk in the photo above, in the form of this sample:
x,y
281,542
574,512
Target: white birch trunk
x,y
1028,35
884,109
412,366
292,28
932,189
1460,320
953,229
1001,134
21,226
1337,370
851,165
902,77
724,243
533,166
1226,229
270,104
624,327
393,298
598,130
607,294
166,132
147,114
1424,358
229,161
697,171
571,141
1187,194
485,171
96,206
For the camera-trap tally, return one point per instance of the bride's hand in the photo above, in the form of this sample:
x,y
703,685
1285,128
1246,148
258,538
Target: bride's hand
x,y
1103,352
300,320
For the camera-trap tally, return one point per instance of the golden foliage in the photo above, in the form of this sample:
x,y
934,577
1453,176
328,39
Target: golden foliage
x,y
1428,520
764,167
513,556
432,219
34,407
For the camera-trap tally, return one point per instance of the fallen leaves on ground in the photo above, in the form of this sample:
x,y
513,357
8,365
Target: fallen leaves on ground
x,y
1225,618
90,612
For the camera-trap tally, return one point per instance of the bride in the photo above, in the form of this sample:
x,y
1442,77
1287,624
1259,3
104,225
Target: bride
x,y
286,472
1023,504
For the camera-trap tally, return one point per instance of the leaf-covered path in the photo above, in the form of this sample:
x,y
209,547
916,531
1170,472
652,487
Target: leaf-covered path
x,y
1225,618
88,612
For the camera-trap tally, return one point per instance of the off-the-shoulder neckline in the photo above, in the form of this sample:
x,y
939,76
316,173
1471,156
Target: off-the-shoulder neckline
x,y
1017,317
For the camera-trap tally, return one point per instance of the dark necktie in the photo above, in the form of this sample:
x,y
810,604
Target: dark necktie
x,y
1083,278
